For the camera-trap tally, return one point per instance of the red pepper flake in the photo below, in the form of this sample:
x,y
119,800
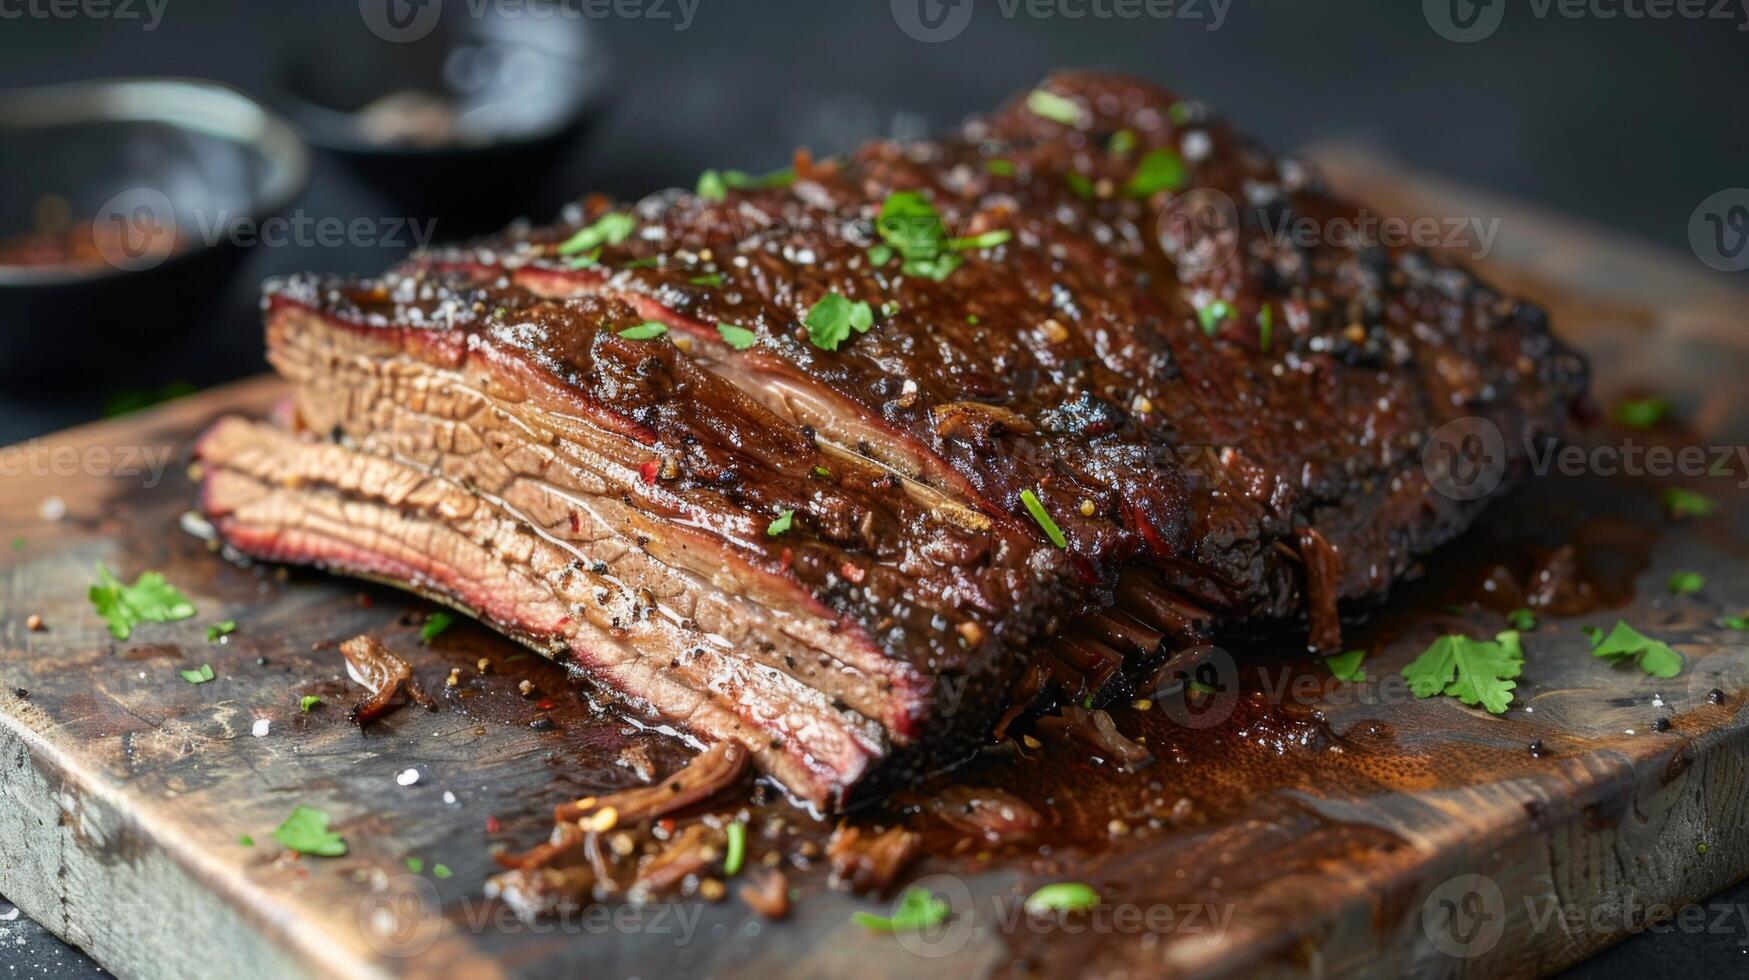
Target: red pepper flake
x,y
576,523
365,601
493,826
851,572
649,470
786,559
667,825
545,705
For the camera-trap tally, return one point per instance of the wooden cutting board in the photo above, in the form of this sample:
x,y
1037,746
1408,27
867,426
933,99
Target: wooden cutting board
x,y
1368,833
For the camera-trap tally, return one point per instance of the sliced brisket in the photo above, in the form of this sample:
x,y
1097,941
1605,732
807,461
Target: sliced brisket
x,y
825,555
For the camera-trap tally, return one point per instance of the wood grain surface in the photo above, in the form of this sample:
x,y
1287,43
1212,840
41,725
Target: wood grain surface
x,y
1325,828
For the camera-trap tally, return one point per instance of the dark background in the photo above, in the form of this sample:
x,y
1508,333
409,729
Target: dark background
x,y
1628,123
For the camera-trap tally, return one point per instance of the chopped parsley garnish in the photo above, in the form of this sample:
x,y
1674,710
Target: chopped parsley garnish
x,y
937,268
1212,313
441,871
149,600
1686,583
18,544
1738,623
585,260
989,239
1265,327
1079,183
1653,656
1346,666
1055,107
739,338
306,832
1180,112
653,262
609,229
1160,170
648,330
714,185
307,702
246,840
1522,620
880,254
201,676
435,625
1686,503
1473,671
831,320
735,854
999,168
1062,896
709,279
822,471
416,865
910,225
780,525
918,909
1043,517
217,630
1642,413
1121,142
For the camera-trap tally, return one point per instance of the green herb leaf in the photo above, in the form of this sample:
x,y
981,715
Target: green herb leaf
x,y
441,871
435,625
224,628
1212,313
740,338
1522,620
935,269
1346,666
416,865
648,330
880,254
306,832
1593,634
1623,641
1055,107
1642,413
1079,183
918,909
1062,896
1121,142
910,225
307,702
1738,623
1265,327
609,229
999,168
711,186
780,525
1043,517
1686,583
1473,671
1160,170
149,600
735,853
201,676
584,261
246,840
989,239
822,471
1179,112
831,320
18,544
709,279
1686,503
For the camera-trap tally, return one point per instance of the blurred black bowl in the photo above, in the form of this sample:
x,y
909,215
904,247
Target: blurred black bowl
x,y
117,228
448,115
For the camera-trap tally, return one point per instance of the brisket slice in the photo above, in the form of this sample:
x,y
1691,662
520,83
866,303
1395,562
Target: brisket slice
x,y
1223,423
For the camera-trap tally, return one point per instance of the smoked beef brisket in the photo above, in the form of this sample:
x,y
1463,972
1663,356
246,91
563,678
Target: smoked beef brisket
x,y
1075,422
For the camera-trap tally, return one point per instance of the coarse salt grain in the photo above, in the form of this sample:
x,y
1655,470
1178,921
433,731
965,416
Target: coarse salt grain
x,y
261,727
407,777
